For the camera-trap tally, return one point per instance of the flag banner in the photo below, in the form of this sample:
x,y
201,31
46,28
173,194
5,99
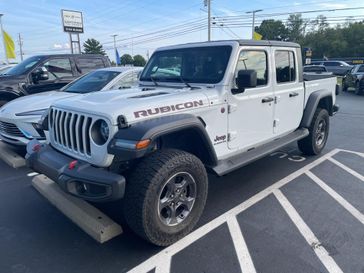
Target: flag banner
x,y
257,36
9,46
117,57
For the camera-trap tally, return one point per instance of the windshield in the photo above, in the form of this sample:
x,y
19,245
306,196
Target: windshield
x,y
93,81
24,66
193,65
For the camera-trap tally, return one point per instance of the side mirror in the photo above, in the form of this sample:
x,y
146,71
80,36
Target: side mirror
x,y
245,79
40,74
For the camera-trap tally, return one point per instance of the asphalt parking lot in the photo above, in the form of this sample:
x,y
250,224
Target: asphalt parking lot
x,y
283,213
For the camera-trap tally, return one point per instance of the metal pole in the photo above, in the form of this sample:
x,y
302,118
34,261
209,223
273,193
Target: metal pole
x,y
114,37
71,42
20,47
253,23
2,35
209,19
79,43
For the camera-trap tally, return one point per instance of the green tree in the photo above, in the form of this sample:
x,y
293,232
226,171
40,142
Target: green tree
x,y
92,46
272,30
139,60
296,27
126,59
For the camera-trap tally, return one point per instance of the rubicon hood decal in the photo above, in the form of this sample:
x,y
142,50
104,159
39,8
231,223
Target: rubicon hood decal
x,y
168,108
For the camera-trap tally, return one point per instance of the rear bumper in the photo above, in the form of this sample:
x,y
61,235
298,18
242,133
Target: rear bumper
x,y
82,180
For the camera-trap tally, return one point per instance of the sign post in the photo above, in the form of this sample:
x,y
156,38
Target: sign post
x,y
72,22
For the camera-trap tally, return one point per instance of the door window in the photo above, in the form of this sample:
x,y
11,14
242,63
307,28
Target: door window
x,y
254,60
285,66
58,68
88,64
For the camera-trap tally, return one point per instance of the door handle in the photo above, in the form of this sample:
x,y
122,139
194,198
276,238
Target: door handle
x,y
267,99
293,94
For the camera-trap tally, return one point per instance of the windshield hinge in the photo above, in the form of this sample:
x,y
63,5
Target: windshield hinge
x,y
232,108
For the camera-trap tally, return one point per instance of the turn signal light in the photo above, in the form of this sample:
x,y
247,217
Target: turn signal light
x,y
142,144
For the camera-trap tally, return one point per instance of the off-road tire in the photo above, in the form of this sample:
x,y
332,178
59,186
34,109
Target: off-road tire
x,y
142,195
358,91
309,145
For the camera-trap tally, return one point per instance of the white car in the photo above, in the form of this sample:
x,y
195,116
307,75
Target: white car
x,y
19,118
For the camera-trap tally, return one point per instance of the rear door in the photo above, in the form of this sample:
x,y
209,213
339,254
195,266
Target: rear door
x,y
88,64
288,91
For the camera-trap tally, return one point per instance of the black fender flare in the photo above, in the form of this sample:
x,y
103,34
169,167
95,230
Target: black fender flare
x,y
158,127
312,104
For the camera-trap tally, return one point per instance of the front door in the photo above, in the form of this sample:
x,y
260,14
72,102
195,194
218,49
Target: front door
x,y
289,91
251,112
59,74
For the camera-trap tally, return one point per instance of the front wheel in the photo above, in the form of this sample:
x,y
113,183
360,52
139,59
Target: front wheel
x,y
358,90
165,196
315,142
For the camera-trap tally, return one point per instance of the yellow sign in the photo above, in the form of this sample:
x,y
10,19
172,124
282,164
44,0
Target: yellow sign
x,y
9,46
257,36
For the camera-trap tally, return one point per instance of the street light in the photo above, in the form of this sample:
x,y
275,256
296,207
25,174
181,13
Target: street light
x,y
253,23
116,57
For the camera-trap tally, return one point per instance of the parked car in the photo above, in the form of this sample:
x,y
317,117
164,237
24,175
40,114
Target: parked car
x,y
355,78
225,108
339,68
316,69
19,118
47,72
5,68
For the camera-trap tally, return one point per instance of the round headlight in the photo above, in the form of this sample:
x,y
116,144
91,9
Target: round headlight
x,y
100,132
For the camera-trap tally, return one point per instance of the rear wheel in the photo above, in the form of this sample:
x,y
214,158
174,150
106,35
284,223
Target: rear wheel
x,y
165,196
315,142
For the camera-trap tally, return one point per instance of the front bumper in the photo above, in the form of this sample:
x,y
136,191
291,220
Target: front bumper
x,y
81,179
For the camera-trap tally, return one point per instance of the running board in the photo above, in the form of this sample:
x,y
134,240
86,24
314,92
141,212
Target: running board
x,y
240,160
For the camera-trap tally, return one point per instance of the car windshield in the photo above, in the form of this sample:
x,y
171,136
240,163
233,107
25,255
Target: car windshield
x,y
93,81
24,66
192,65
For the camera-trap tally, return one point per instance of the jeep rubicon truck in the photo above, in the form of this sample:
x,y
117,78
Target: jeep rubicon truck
x,y
201,107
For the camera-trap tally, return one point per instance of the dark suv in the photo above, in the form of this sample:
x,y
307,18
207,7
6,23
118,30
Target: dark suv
x,y
46,72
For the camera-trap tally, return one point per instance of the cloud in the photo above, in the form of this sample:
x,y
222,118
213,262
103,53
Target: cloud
x,y
57,46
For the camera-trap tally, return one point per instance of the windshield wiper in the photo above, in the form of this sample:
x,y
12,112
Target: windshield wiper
x,y
184,81
153,80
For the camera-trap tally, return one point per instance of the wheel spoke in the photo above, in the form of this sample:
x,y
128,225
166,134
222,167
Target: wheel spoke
x,y
172,220
188,203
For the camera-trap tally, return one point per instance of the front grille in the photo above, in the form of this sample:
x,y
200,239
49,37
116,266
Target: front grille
x,y
70,131
10,129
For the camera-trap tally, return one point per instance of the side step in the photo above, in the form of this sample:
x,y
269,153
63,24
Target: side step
x,y
231,164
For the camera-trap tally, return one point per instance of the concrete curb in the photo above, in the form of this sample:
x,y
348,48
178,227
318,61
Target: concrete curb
x,y
10,157
87,217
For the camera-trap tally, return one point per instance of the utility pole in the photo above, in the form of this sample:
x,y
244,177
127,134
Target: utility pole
x,y
2,35
114,37
20,42
253,23
207,3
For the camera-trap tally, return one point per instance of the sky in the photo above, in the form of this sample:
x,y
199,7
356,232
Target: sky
x,y
40,25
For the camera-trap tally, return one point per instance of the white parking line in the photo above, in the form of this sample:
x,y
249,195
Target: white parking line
x,y
306,232
241,249
159,259
356,213
346,168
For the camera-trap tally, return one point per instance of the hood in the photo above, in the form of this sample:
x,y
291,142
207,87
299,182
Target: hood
x,y
136,104
33,102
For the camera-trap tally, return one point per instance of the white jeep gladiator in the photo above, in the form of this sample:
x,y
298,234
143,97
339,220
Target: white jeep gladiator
x,y
201,107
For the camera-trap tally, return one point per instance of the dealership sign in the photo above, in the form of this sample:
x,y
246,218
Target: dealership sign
x,y
72,21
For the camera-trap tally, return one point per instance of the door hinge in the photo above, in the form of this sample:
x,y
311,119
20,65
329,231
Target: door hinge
x,y
275,122
232,135
232,108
